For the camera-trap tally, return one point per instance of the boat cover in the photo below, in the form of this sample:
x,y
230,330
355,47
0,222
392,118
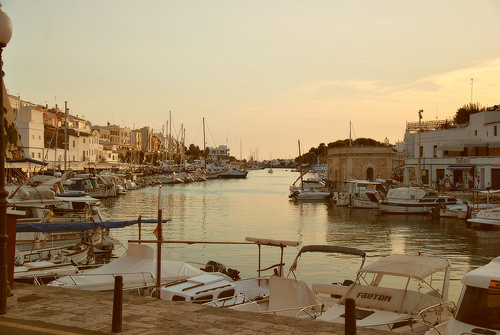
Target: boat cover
x,y
418,267
406,193
75,226
487,276
137,267
288,296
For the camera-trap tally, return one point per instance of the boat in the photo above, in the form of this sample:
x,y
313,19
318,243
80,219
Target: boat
x,y
478,309
394,298
315,195
233,173
413,200
358,190
138,269
486,218
221,287
291,296
41,272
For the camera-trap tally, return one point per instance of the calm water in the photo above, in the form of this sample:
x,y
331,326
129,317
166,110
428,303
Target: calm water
x,y
258,206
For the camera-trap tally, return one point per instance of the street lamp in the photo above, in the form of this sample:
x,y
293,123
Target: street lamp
x,y
5,35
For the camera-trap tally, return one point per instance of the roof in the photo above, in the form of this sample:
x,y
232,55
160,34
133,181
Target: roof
x,y
26,160
487,276
418,267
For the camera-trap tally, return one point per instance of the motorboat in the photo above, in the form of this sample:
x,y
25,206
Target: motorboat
x,y
357,193
291,296
40,272
487,218
233,173
478,310
413,200
312,194
138,267
394,298
221,287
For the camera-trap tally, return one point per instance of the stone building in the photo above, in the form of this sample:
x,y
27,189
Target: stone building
x,y
365,163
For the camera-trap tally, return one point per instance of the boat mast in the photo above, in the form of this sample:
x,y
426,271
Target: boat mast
x,y
300,170
170,142
204,148
419,170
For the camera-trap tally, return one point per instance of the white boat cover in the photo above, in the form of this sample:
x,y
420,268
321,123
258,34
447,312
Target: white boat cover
x,y
487,277
137,267
287,296
406,193
418,267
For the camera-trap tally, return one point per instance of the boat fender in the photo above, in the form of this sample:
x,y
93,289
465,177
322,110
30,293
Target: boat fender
x,y
213,266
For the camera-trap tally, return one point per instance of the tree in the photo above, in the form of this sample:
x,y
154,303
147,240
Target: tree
x,y
463,113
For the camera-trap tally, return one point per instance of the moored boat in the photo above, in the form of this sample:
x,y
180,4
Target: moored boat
x,y
413,200
394,298
478,310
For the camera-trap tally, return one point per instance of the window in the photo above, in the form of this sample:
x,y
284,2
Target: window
x,y
435,151
32,155
39,155
475,132
74,143
421,151
83,140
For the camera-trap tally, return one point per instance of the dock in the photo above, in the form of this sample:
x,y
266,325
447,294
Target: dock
x,y
68,311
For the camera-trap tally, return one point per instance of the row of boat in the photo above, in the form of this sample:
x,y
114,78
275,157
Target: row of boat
x,y
399,293
388,197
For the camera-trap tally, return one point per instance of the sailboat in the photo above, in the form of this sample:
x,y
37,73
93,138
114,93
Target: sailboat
x,y
271,169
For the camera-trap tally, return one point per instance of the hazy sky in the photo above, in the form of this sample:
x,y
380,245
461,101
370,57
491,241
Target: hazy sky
x,y
263,74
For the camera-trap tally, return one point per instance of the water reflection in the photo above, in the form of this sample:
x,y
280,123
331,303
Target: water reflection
x,y
230,210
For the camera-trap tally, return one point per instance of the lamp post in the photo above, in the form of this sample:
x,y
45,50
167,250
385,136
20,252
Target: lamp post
x,y
419,170
5,35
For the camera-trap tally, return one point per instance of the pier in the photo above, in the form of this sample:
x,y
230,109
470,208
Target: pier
x,y
52,310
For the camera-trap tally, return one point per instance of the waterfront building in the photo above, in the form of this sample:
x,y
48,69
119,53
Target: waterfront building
x,y
31,128
219,155
461,154
362,162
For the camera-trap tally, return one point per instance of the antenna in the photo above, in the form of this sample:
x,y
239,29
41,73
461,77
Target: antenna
x,y
471,88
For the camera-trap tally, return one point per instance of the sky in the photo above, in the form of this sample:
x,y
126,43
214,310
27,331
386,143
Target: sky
x,y
263,74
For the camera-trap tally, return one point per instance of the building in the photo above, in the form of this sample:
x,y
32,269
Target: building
x,y
31,128
365,163
460,154
219,155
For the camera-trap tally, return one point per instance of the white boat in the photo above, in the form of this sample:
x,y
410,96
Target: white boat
x,y
40,272
233,173
413,200
137,267
221,287
313,194
394,299
357,193
293,297
487,218
478,311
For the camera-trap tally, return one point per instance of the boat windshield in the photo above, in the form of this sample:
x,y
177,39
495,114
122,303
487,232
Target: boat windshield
x,y
480,307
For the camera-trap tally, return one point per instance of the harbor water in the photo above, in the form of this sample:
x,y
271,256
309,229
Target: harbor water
x,y
229,210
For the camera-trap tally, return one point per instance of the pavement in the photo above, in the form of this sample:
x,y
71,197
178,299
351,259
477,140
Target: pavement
x,y
34,309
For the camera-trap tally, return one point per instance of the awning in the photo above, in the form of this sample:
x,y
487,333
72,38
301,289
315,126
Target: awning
x,y
494,145
26,160
460,167
451,147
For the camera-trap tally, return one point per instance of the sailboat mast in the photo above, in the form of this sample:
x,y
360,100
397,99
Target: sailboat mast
x,y
300,170
204,143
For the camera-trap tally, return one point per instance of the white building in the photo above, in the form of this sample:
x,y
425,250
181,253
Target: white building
x,y
30,126
459,153
219,155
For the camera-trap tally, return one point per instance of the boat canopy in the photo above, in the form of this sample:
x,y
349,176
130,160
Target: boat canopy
x,y
332,249
75,226
418,267
487,277
406,193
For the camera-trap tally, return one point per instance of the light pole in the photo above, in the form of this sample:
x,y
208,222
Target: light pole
x,y
5,35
